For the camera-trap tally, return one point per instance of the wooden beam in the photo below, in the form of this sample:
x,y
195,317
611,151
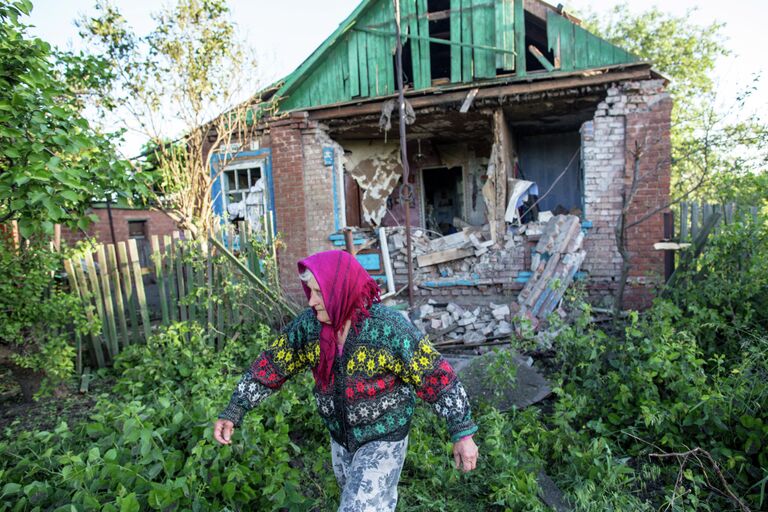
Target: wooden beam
x,y
352,109
442,256
468,100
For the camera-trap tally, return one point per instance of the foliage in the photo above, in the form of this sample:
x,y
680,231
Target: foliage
x,y
52,162
723,297
691,372
36,315
182,86
716,142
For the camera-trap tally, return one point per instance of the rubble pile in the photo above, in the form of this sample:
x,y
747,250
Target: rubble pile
x,y
471,324
450,265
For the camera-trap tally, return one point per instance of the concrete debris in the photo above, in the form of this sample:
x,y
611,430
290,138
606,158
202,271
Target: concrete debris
x,y
471,326
501,312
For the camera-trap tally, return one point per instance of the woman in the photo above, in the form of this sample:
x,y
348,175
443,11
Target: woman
x,y
367,360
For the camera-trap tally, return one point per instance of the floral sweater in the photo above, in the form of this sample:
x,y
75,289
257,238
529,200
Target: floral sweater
x,y
371,396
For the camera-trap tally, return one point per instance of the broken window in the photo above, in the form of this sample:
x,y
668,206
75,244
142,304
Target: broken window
x,y
443,198
553,162
439,28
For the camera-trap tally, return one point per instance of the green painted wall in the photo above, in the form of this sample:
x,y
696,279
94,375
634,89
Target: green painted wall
x,y
357,61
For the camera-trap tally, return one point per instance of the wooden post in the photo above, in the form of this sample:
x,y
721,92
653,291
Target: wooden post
x,y
157,259
178,255
76,290
96,291
133,252
130,296
684,221
349,241
109,310
115,274
87,298
669,256
173,305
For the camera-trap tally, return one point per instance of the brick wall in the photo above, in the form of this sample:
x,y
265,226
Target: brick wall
x,y
634,115
290,205
157,223
318,188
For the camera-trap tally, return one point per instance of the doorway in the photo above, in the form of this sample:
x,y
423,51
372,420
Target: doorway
x,y
443,200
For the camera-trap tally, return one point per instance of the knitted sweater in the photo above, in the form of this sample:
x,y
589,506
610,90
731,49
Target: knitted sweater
x,y
371,396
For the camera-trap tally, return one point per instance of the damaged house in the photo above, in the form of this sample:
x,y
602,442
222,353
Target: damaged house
x,y
527,138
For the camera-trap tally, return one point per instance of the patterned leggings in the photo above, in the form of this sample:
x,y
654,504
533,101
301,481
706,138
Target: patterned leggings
x,y
368,477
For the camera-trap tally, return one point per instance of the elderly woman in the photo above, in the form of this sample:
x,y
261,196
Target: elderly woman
x,y
367,361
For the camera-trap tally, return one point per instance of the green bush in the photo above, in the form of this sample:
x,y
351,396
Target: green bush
x,y
36,316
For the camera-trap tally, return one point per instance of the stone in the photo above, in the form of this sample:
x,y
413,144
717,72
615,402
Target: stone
x,y
436,324
503,328
501,312
473,338
426,309
446,320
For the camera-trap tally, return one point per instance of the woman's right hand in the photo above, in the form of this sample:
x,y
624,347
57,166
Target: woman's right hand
x,y
222,431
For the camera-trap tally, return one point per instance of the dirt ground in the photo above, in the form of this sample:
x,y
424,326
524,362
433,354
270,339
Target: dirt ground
x,y
46,413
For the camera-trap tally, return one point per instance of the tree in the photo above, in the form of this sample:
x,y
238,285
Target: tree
x,y
52,162
714,140
52,165
713,152
188,75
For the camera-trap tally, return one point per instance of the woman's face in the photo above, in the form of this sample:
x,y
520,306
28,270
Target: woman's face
x,y
316,301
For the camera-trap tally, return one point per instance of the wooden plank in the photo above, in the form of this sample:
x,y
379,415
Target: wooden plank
x,y
362,62
483,34
519,24
354,73
684,221
189,274
85,380
157,259
96,291
580,53
87,296
505,33
114,272
75,289
130,296
425,59
455,38
178,255
563,81
109,310
670,246
220,311
138,277
434,258
467,72
695,219
169,276
729,207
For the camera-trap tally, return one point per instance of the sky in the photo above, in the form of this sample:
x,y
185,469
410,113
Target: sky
x,y
285,33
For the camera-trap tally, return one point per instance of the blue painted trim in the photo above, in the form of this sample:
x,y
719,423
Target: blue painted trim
x,y
586,224
342,243
332,166
217,197
446,284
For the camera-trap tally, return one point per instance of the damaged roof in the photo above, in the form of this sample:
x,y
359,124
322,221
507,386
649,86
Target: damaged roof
x,y
447,44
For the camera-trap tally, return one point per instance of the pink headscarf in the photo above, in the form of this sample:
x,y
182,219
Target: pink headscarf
x,y
348,293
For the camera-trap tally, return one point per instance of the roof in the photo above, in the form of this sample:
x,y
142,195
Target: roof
x,y
471,42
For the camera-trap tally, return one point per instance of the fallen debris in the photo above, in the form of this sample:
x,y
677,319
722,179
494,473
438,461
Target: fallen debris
x,y
556,259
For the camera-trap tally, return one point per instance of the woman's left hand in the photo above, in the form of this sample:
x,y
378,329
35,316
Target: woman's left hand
x,y
465,454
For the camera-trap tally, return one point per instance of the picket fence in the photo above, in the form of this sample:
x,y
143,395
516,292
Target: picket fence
x,y
186,281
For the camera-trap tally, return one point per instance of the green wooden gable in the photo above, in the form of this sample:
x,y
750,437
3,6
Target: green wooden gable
x,y
487,39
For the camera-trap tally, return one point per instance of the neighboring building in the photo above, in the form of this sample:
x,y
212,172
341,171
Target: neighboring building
x,y
514,86
124,224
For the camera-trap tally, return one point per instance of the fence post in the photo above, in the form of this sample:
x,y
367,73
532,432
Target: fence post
x,y
115,273
157,259
669,255
139,280
109,310
130,297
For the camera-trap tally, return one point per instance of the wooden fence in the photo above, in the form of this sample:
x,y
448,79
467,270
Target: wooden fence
x,y
219,282
694,217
